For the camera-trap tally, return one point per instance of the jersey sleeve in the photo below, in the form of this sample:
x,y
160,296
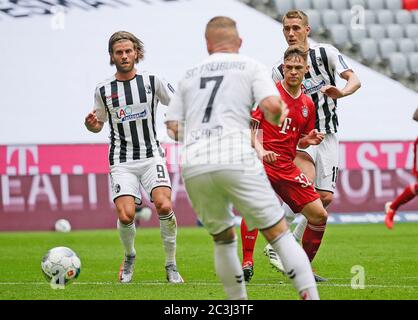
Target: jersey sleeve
x,y
176,107
310,125
164,91
277,72
262,85
336,60
99,106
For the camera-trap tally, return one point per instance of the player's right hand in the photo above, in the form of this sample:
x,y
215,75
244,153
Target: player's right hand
x,y
269,156
91,119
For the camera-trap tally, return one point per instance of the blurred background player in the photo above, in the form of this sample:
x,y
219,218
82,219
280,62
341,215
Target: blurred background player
x,y
128,100
319,163
219,166
277,147
409,192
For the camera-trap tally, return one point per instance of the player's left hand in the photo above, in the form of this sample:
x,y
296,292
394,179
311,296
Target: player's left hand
x,y
332,92
315,137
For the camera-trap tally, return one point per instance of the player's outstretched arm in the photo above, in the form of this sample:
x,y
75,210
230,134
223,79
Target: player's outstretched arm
x,y
92,123
352,85
313,138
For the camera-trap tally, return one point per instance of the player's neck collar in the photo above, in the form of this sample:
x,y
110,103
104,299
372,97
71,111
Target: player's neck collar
x,y
293,96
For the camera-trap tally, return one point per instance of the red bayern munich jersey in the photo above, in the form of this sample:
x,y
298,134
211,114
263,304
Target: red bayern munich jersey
x,y
300,121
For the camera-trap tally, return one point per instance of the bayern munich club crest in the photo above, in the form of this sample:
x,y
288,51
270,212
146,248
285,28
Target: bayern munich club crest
x,y
305,111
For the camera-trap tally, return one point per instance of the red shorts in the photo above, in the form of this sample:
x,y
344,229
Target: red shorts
x,y
291,184
415,169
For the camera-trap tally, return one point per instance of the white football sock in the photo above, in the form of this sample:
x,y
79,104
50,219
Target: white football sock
x,y
297,266
300,228
168,232
127,236
228,268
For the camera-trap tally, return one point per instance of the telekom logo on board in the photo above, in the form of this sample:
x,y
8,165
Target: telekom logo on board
x,y
22,160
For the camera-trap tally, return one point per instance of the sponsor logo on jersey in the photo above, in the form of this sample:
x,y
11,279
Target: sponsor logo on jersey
x,y
310,87
125,114
116,188
110,98
305,111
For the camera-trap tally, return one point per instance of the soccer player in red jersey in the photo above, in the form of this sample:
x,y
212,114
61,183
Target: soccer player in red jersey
x,y
276,145
409,192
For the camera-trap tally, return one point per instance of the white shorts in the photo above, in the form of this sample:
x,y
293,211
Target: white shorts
x,y
127,177
214,194
325,158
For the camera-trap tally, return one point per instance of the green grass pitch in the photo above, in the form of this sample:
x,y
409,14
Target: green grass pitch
x,y
389,259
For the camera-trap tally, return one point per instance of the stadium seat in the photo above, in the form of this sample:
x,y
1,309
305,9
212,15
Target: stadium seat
x,y
320,4
339,5
376,31
314,21
346,17
414,14
357,35
282,6
411,31
329,18
393,4
386,47
394,31
339,36
398,65
385,17
406,45
375,4
303,4
413,64
368,51
403,17
352,3
370,17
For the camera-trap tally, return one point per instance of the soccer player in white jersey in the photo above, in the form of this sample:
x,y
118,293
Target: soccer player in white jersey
x,y
211,109
318,162
128,100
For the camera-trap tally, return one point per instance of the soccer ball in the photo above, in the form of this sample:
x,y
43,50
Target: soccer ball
x,y
62,225
143,214
60,265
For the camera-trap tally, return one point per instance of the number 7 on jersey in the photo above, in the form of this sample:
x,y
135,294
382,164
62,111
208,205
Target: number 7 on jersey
x,y
203,82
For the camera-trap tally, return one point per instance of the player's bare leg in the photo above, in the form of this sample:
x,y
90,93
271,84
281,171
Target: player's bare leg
x,y
161,197
294,259
305,163
125,207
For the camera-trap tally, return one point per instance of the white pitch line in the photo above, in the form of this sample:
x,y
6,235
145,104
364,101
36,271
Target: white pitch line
x,y
155,283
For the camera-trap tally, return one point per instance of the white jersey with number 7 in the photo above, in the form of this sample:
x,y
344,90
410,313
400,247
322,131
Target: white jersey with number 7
x,y
213,102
